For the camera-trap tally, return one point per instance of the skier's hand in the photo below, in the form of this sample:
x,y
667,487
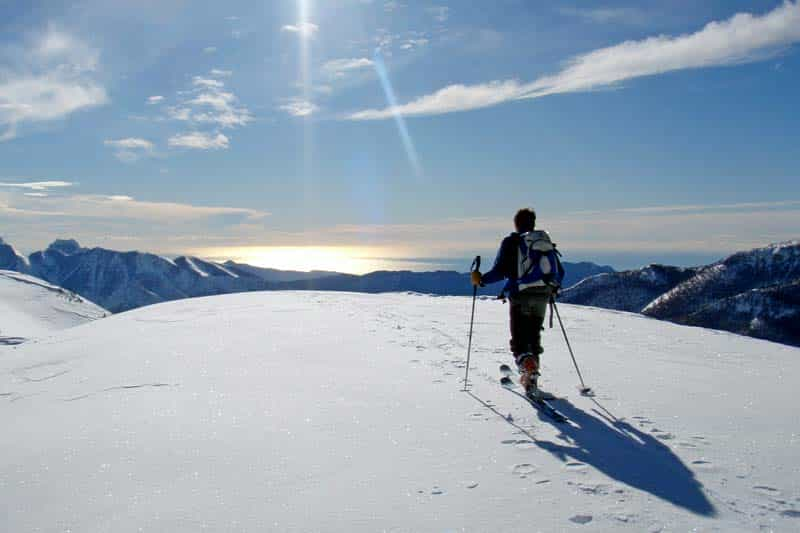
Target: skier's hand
x,y
475,278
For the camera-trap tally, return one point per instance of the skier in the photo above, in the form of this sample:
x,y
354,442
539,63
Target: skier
x,y
528,260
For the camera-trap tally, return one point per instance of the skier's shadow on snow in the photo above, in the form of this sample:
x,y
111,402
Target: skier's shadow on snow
x,y
628,455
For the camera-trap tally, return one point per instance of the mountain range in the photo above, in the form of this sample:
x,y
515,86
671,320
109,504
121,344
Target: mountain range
x,y
755,293
120,281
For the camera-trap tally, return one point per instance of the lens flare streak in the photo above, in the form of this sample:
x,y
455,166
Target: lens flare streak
x,y
408,144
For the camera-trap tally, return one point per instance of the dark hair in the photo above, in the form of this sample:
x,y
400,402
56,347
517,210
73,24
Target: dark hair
x,y
525,220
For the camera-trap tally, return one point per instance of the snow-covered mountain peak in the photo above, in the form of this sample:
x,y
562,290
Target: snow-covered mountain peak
x,y
65,246
11,259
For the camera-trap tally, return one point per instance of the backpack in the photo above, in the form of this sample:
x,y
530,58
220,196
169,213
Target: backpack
x,y
538,261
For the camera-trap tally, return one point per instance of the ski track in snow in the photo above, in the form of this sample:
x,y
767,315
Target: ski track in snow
x,y
452,348
635,457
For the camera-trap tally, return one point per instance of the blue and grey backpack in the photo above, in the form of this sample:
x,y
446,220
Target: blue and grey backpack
x,y
538,262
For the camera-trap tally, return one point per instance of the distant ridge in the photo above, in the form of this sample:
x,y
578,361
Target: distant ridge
x,y
755,293
120,281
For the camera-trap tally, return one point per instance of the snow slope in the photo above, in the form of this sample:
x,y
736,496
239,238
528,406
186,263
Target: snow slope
x,y
30,307
343,412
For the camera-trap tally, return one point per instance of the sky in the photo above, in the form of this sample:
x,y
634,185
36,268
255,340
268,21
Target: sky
x,y
354,135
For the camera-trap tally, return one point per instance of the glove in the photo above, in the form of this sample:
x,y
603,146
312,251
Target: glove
x,y
475,278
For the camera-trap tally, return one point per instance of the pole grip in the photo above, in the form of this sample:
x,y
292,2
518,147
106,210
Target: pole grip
x,y
476,264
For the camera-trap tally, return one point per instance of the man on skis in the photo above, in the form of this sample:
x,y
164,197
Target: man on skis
x,y
529,263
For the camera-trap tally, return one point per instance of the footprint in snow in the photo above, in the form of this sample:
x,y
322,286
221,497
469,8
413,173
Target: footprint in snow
x,y
765,489
472,484
581,519
791,513
665,436
575,466
436,491
523,470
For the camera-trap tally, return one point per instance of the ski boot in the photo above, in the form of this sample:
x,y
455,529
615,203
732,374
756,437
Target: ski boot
x,y
528,373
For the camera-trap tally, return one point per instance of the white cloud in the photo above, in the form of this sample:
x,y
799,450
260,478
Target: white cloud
x,y
392,5
38,185
199,141
199,81
440,13
209,49
304,29
450,99
51,78
154,99
130,143
299,107
130,149
179,113
338,67
607,15
740,39
220,73
209,103
414,43
99,206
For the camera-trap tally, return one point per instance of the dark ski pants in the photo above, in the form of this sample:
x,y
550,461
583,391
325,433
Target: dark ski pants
x,y
528,310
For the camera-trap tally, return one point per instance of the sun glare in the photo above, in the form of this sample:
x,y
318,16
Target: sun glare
x,y
352,260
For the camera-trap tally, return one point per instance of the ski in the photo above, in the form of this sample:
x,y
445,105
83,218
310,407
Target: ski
x,y
506,371
541,404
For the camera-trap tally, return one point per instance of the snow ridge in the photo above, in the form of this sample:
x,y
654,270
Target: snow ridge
x,y
31,307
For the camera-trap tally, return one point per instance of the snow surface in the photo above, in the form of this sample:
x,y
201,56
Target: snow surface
x,y
30,307
308,411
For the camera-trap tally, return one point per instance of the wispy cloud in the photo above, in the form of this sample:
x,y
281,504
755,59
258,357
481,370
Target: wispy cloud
x,y
298,107
220,73
156,99
130,143
608,15
83,206
742,38
196,140
108,219
391,6
209,50
717,229
410,44
38,185
130,149
52,78
440,13
450,99
339,67
304,29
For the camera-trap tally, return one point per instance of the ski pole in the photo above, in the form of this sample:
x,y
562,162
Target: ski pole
x,y
584,389
476,265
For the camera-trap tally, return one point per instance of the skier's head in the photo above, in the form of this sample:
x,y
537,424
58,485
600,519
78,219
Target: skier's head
x,y
525,220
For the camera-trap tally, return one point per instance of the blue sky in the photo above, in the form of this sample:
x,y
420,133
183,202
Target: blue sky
x,y
322,134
